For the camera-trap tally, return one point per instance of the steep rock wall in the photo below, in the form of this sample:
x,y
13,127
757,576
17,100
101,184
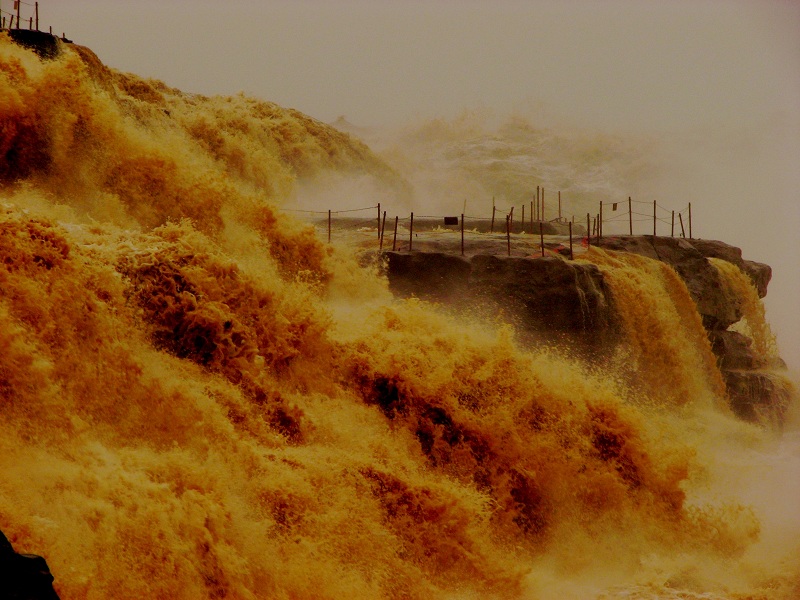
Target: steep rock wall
x,y
551,300
547,299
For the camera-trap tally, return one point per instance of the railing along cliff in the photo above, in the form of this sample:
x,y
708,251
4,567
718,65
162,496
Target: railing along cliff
x,y
623,213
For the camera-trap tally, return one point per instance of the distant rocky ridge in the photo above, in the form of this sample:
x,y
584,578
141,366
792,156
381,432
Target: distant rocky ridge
x,y
554,300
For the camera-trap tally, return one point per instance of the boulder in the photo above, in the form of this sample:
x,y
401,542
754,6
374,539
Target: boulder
x,y
757,389
717,249
24,576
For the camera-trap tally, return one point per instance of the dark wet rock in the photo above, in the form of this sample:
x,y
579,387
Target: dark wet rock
x,y
433,276
554,300
760,274
734,351
549,294
717,308
757,390
717,249
24,576
546,298
47,46
758,396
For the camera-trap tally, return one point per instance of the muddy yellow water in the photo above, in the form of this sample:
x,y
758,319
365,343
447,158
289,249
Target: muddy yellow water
x,y
201,399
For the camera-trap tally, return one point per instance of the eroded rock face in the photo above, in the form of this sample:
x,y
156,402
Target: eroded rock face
x,y
549,294
735,351
435,276
758,396
756,390
759,273
547,298
556,300
717,249
717,308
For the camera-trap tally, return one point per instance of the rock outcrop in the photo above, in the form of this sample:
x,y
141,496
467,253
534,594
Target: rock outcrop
x,y
758,396
755,391
718,309
46,45
553,300
548,299
435,276
24,576
734,350
759,273
562,298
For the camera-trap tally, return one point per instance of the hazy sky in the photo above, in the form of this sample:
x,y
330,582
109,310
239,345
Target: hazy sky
x,y
620,63
723,77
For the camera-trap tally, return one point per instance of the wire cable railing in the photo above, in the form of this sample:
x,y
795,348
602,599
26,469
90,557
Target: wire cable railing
x,y
22,19
533,223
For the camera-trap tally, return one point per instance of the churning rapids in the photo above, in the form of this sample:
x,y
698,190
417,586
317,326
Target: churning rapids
x,y
201,399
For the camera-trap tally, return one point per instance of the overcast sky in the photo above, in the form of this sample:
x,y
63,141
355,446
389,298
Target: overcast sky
x,y
618,63
695,67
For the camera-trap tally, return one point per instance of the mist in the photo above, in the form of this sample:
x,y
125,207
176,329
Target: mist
x,y
196,384
715,84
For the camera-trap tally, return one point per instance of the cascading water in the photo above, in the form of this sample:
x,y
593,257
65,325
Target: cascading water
x,y
199,399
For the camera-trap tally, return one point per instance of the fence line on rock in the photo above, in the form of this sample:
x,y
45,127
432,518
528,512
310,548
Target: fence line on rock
x,y
612,219
14,19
